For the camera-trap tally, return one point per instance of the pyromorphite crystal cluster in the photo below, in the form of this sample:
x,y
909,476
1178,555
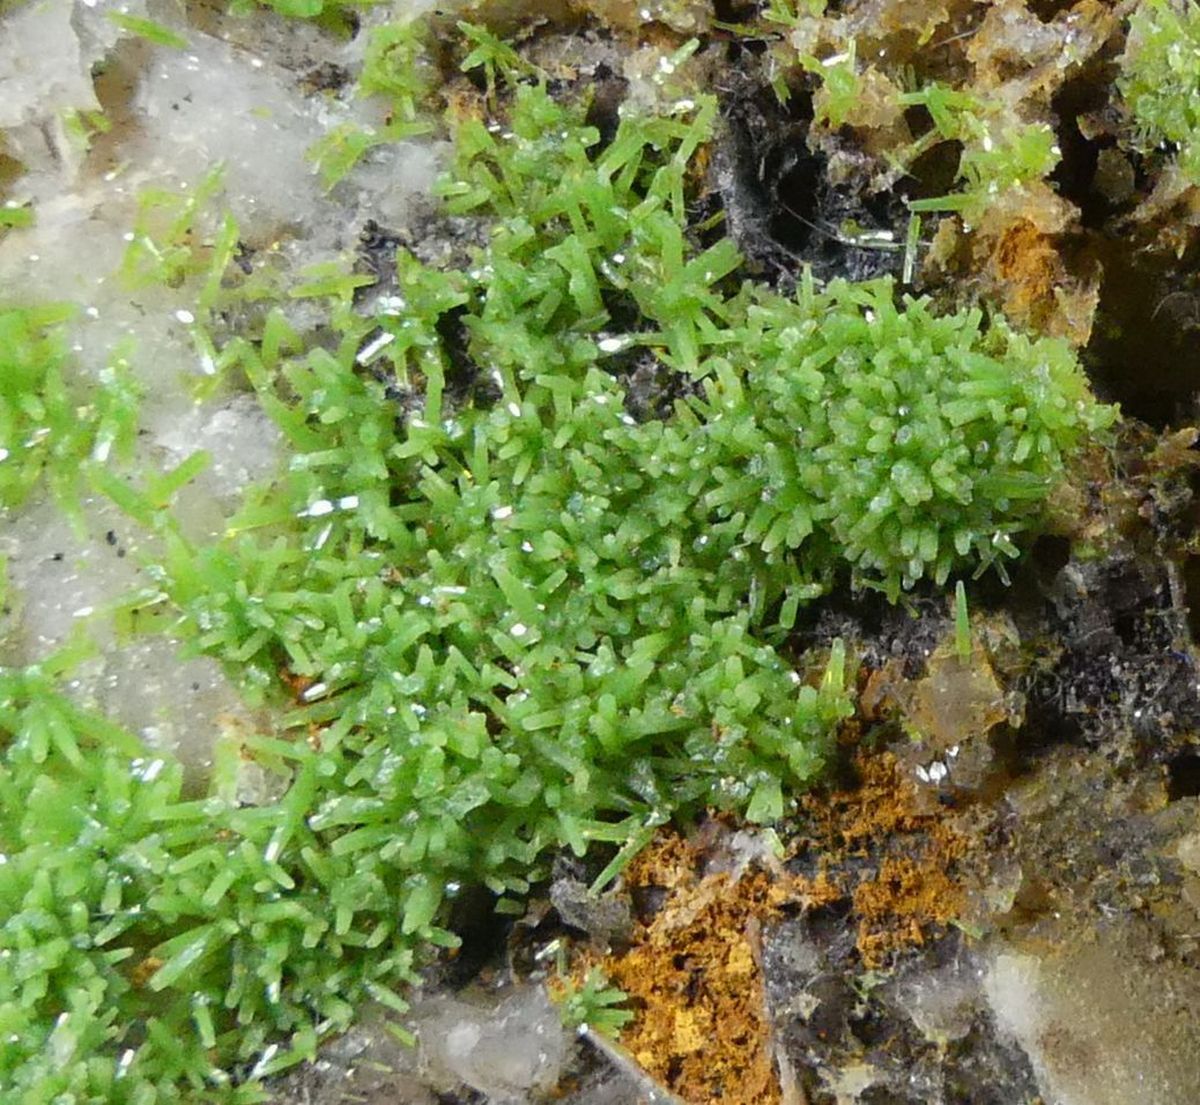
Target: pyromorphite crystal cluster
x,y
914,444
1160,77
518,616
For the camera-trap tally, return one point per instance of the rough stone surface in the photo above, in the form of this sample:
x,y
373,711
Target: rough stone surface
x,y
507,1049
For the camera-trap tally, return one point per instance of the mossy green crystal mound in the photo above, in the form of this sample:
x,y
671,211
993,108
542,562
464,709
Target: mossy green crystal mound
x,y
517,613
914,444
157,949
1160,79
